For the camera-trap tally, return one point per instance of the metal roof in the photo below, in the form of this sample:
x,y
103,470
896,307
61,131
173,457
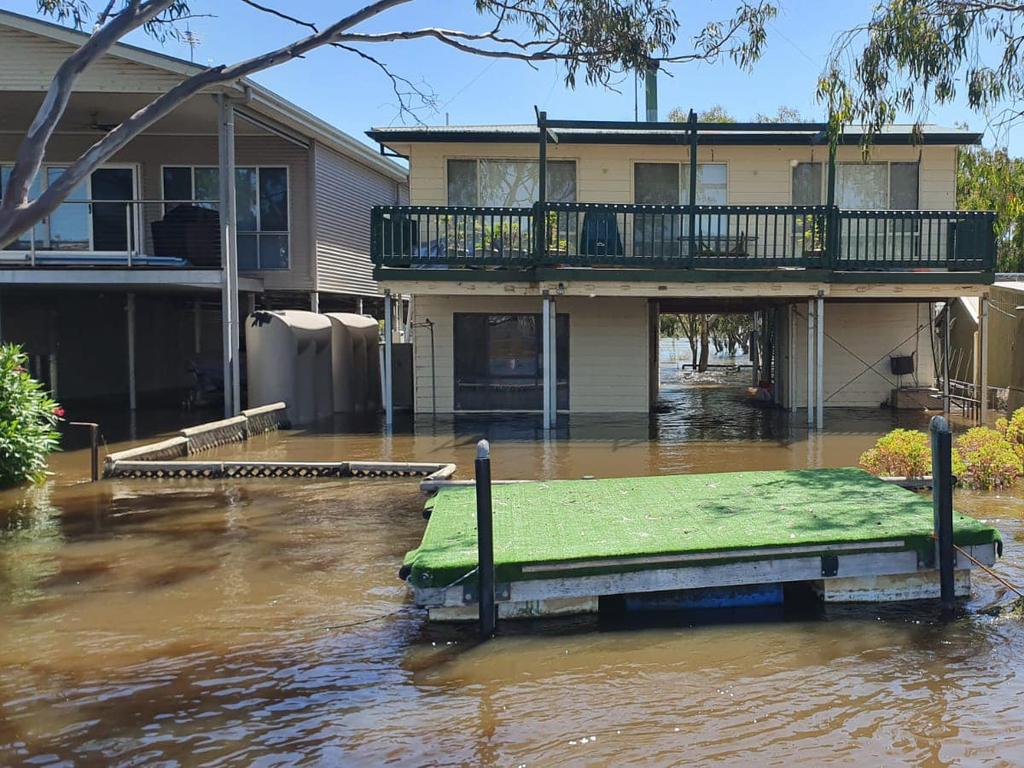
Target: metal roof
x,y
614,132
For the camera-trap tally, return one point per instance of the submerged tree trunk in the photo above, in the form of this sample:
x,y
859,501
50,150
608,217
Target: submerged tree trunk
x,y
704,343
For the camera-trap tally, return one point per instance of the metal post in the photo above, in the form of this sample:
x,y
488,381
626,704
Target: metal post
x,y
832,235
128,233
130,315
942,509
314,301
94,446
485,541
810,363
542,186
389,416
359,306
819,328
553,360
229,253
692,201
545,357
983,367
945,359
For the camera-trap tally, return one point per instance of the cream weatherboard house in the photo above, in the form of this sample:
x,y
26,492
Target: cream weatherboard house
x,y
120,294
537,284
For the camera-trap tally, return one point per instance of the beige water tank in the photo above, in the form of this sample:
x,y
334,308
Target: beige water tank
x,y
355,368
288,358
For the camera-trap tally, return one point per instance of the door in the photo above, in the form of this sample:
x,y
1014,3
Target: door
x,y
656,235
112,222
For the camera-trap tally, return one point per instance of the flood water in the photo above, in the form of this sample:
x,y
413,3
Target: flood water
x,y
261,622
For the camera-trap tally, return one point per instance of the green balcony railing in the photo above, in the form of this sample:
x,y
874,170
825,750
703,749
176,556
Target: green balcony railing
x,y
681,236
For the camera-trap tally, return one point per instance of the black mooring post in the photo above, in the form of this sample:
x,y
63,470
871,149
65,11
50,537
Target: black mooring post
x,y
942,507
94,445
485,540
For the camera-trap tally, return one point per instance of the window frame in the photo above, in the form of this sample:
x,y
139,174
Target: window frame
x,y
565,347
477,159
684,177
45,222
258,232
823,194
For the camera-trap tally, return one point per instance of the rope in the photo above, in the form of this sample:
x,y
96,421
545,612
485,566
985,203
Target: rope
x,y
990,572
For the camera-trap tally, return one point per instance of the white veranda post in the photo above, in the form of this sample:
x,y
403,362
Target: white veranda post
x,y
389,319
810,363
819,328
229,255
548,362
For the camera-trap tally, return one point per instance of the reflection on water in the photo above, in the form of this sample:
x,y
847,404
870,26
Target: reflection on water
x,y
262,622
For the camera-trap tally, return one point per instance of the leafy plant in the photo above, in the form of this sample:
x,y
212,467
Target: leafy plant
x,y
901,453
28,420
984,460
1012,430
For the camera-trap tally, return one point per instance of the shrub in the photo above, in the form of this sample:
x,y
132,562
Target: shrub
x,y
983,459
28,421
901,453
1013,430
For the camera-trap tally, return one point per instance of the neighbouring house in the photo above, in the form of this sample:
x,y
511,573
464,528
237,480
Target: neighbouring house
x,y
538,257
119,294
1004,350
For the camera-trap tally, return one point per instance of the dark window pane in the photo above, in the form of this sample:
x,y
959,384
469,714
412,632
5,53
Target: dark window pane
x,y
273,200
248,259
656,184
462,182
807,184
246,199
561,181
903,186
110,221
177,183
498,363
273,251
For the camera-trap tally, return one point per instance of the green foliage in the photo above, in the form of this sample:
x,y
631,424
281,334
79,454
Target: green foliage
x,y
913,54
1012,430
991,180
984,460
81,15
784,114
28,420
901,453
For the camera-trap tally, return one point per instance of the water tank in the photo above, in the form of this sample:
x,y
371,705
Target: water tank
x,y
355,365
288,358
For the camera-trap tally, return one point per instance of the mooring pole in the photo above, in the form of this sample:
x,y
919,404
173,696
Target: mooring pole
x,y
485,540
94,444
942,508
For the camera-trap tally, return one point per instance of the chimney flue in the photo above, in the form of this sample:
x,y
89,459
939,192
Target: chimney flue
x,y
651,89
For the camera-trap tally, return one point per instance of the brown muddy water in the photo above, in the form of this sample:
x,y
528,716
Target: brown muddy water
x,y
261,622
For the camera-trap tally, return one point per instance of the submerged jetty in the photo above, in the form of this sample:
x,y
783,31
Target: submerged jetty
x,y
709,540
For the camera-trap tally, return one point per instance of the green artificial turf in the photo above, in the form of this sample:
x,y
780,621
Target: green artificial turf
x,y
566,520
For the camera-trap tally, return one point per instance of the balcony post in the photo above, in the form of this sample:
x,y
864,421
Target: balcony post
x,y
810,363
550,382
832,239
983,363
945,358
819,328
229,256
389,321
692,201
130,318
542,186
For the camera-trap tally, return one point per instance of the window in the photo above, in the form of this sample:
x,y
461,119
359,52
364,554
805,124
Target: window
x,y
508,183
261,207
870,186
498,362
83,222
662,236
807,183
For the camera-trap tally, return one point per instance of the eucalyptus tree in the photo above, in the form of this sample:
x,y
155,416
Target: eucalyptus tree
x,y
597,40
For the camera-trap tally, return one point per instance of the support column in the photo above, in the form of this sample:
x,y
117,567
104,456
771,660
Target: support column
x,y
811,397
197,327
983,366
130,315
819,327
389,315
229,253
359,306
550,386
314,301
945,359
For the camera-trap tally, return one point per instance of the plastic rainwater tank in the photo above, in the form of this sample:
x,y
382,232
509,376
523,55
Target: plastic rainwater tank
x,y
355,363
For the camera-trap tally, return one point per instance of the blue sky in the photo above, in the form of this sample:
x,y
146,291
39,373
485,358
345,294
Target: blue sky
x,y
354,95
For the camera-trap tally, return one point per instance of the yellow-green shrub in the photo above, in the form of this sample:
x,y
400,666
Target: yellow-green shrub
x,y
1013,430
984,459
901,453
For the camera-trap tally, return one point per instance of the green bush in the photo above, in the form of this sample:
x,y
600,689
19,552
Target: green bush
x,y
1013,430
901,453
28,421
984,460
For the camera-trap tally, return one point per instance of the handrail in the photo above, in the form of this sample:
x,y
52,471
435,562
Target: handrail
x,y
723,236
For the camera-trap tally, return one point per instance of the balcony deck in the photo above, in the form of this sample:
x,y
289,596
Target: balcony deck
x,y
683,243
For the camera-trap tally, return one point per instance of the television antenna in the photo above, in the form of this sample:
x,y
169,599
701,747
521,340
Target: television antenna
x,y
192,40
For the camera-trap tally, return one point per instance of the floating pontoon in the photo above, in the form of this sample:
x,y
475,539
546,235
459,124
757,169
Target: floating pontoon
x,y
562,546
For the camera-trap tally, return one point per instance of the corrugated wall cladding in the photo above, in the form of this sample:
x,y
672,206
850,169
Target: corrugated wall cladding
x,y
27,63
345,192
